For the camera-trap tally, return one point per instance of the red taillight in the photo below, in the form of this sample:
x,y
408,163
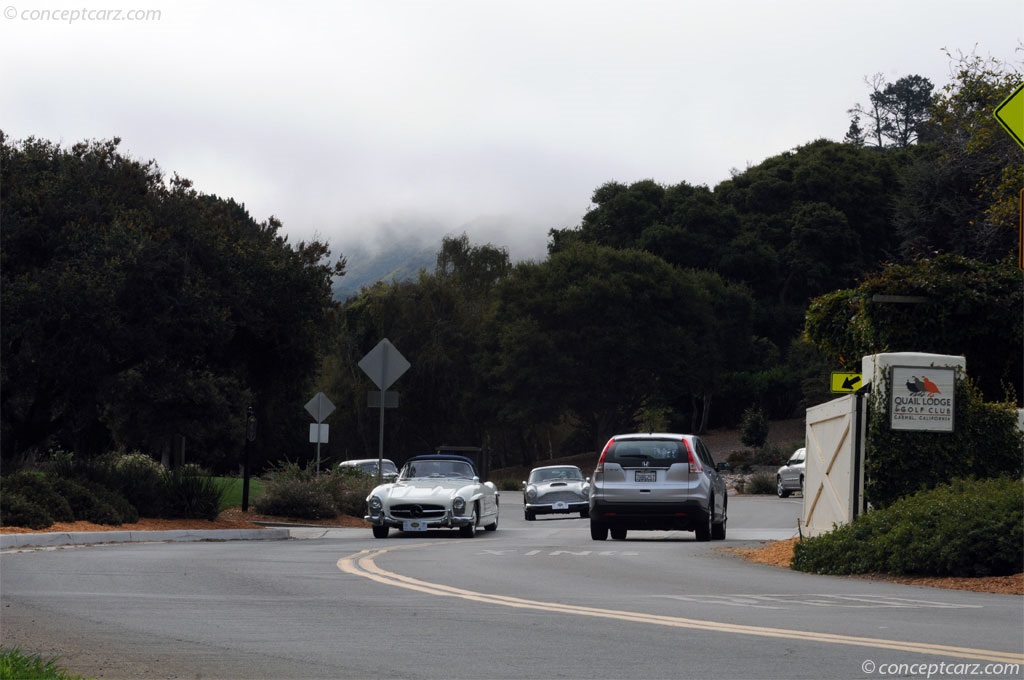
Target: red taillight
x,y
695,466
604,452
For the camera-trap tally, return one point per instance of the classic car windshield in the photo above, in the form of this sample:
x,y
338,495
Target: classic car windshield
x,y
556,474
420,469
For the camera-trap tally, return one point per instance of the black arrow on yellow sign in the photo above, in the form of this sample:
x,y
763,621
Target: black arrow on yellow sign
x,y
846,382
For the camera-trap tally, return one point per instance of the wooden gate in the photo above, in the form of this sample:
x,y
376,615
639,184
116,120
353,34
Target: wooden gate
x,y
834,474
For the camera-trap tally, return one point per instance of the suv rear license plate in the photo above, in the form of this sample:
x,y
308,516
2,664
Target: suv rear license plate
x,y
646,476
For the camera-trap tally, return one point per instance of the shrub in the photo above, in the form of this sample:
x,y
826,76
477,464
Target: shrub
x,y
296,498
18,511
293,491
760,483
964,528
985,442
770,455
754,427
191,492
741,460
17,664
135,476
37,488
354,490
92,502
509,484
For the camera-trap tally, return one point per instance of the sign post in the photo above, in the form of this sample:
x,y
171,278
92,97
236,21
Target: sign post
x,y
384,364
319,407
250,437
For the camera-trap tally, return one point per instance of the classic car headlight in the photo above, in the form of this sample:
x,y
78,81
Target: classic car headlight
x,y
458,505
375,505
531,494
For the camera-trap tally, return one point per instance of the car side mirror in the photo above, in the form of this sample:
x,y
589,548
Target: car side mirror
x,y
723,467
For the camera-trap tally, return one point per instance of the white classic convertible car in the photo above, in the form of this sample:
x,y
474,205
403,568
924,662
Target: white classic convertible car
x,y
434,492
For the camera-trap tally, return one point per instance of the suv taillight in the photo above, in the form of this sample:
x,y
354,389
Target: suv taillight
x,y
695,466
604,452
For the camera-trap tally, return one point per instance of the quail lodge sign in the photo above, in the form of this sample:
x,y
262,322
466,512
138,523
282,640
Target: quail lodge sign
x,y
922,398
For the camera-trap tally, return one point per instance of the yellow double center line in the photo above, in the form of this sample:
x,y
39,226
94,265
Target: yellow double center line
x,y
363,564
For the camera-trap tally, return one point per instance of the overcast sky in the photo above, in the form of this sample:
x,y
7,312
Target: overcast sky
x,y
354,120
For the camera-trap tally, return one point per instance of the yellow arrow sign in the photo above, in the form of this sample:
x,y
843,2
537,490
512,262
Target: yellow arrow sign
x,y
1010,114
846,382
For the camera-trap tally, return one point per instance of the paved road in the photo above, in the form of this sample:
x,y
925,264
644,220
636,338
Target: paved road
x,y
532,600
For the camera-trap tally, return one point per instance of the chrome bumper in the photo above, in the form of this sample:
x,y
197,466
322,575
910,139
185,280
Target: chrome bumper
x,y
449,521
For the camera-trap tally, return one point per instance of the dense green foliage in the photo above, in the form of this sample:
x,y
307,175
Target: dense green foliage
x,y
291,490
970,309
754,427
140,314
111,489
986,442
964,528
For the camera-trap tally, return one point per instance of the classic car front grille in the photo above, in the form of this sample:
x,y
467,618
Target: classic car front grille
x,y
417,511
556,496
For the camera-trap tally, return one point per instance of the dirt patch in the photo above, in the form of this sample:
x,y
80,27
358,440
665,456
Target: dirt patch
x,y
780,553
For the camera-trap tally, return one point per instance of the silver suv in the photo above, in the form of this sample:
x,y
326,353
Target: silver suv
x,y
657,482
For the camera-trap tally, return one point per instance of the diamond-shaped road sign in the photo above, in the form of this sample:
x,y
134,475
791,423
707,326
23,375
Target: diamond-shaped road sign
x,y
384,364
1010,115
320,407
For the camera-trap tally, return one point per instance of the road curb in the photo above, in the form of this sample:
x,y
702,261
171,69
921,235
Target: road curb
x,y
54,539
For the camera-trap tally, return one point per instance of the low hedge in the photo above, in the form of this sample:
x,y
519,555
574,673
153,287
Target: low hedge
x,y
290,490
963,528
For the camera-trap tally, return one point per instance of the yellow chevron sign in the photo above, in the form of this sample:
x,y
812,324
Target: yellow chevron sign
x,y
846,382
1010,115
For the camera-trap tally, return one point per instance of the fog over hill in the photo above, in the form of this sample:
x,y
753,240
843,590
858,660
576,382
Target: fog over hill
x,y
400,249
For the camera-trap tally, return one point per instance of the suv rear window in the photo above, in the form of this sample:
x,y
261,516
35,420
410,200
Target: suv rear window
x,y
656,453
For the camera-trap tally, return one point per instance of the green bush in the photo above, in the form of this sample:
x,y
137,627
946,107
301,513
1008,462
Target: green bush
x,y
18,511
760,483
770,454
754,427
37,488
135,476
190,492
964,528
293,491
296,498
93,502
290,490
741,460
17,664
985,442
510,484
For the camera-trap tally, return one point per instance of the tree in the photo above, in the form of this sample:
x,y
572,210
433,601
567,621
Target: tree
x,y
605,334
139,312
440,323
960,194
619,216
898,112
969,308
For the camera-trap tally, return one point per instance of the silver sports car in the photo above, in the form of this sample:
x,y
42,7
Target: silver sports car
x,y
556,489
434,492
